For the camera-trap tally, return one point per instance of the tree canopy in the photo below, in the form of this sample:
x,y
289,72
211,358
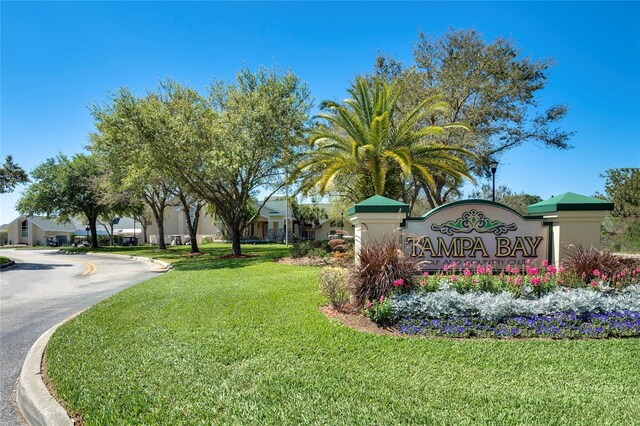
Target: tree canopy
x,y
622,229
489,86
365,139
65,187
504,195
11,175
221,148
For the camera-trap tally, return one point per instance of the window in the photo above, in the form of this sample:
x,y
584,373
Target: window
x,y
25,228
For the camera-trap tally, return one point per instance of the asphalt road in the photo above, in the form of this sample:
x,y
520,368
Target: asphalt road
x,y
42,289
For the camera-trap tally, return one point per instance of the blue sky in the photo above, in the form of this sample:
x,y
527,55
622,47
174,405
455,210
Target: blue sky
x,y
57,58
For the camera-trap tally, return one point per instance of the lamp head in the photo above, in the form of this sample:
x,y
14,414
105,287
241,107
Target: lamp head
x,y
494,166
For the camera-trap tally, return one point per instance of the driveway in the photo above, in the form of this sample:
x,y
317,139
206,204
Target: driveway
x,y
42,289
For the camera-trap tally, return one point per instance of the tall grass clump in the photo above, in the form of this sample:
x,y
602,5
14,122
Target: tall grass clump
x,y
382,262
589,264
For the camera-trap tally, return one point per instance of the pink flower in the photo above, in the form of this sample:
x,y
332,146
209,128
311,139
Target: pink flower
x,y
561,269
489,269
467,272
518,280
535,281
423,283
480,270
425,273
545,262
369,304
593,283
398,283
552,269
381,299
453,278
596,272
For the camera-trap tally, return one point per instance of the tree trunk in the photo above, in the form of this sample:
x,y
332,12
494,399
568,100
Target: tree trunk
x,y
192,226
144,233
94,232
159,217
161,244
235,239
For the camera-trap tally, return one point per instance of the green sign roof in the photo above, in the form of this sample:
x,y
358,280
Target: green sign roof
x,y
569,201
379,204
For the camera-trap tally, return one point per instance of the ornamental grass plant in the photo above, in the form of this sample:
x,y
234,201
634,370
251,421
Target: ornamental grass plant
x,y
589,265
382,262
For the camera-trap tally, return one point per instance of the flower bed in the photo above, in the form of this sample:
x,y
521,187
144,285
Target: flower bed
x,y
532,301
560,325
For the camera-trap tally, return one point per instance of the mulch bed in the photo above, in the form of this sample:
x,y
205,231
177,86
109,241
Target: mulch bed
x,y
303,261
357,321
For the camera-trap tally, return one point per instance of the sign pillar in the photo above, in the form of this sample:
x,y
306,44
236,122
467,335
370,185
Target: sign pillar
x,y
576,221
375,218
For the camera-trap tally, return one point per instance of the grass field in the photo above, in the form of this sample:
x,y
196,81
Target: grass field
x,y
4,260
241,341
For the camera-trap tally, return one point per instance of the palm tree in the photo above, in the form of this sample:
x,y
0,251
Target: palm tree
x,y
366,136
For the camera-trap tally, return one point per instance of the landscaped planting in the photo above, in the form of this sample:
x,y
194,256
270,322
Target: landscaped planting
x,y
561,325
242,341
474,300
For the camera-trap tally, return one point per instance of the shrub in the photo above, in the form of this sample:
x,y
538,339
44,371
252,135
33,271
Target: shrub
x,y
207,240
449,303
333,284
379,311
381,263
317,252
339,245
302,248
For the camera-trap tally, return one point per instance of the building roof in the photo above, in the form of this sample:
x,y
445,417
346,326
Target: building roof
x,y
51,225
379,204
569,201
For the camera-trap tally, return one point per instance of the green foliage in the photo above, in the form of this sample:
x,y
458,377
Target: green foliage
x,y
65,187
333,284
365,139
241,341
239,138
379,311
622,187
11,175
490,86
504,195
304,248
622,229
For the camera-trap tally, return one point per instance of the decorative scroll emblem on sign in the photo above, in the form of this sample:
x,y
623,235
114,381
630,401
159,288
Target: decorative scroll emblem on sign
x,y
474,220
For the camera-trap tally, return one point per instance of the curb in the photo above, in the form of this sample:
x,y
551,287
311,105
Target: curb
x,y
7,265
34,400
162,263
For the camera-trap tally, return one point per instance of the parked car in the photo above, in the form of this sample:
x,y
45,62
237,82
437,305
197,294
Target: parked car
x,y
129,241
52,242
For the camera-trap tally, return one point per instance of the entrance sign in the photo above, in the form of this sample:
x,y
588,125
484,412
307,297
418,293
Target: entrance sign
x,y
475,232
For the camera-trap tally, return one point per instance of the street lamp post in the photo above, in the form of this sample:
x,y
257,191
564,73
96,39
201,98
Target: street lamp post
x,y
87,229
341,220
494,166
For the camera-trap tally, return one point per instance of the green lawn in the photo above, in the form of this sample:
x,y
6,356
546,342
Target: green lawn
x,y
242,342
